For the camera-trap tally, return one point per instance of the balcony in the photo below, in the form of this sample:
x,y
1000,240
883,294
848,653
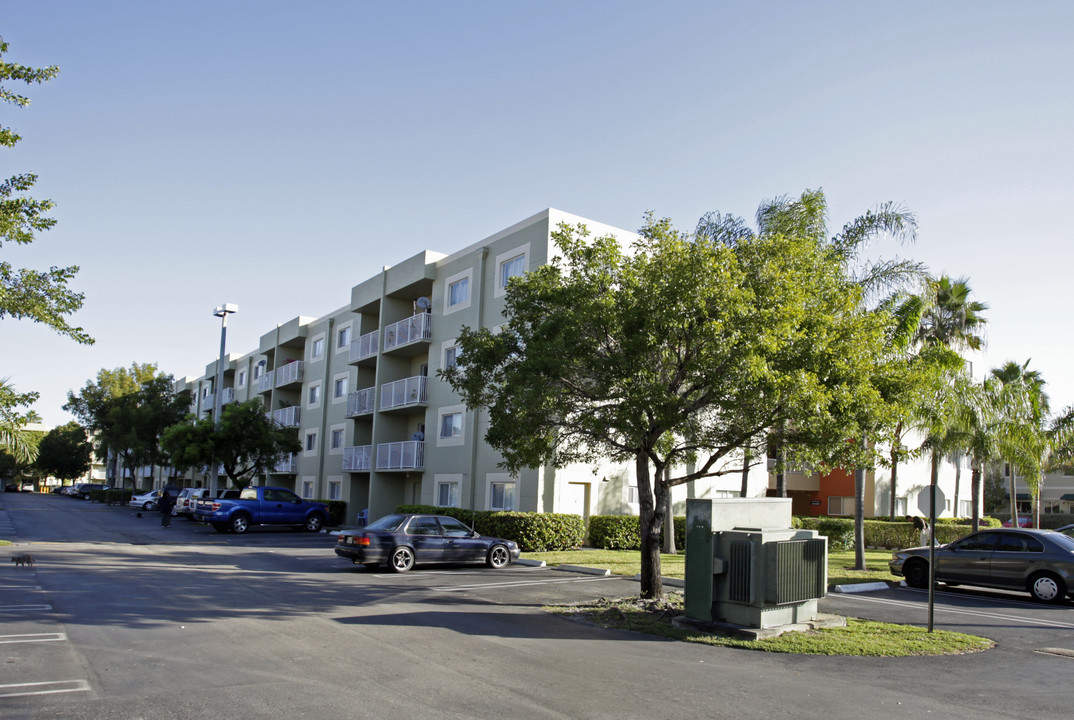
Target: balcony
x,y
227,396
362,402
791,467
415,329
407,455
358,458
403,393
289,374
207,402
264,383
287,466
288,416
363,348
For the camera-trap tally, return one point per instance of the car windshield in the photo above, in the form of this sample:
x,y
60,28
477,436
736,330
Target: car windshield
x,y
388,522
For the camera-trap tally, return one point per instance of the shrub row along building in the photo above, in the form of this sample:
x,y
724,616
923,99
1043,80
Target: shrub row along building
x,y
379,429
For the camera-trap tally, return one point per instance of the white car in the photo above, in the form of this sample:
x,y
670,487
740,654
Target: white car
x,y
146,501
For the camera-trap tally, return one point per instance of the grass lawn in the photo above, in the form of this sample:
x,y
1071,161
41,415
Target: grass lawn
x,y
628,562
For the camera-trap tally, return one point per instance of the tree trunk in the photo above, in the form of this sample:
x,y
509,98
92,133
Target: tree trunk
x,y
1014,498
745,471
650,521
958,481
975,502
894,470
859,519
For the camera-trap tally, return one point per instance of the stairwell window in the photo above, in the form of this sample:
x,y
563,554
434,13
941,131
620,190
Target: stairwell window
x,y
318,348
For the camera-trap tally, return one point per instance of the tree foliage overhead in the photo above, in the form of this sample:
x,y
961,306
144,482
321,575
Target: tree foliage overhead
x,y
15,437
677,353
41,296
246,443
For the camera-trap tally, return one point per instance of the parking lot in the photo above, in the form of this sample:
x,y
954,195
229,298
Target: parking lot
x,y
122,618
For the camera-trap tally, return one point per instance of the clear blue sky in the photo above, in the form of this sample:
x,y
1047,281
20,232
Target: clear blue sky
x,y
274,154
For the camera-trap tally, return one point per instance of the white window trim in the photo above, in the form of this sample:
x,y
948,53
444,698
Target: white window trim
x,y
320,395
305,442
313,344
312,480
448,281
342,427
500,290
447,479
337,482
491,479
449,410
343,398
242,378
344,348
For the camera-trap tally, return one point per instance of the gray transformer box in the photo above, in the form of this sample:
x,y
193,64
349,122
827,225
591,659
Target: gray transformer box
x,y
747,566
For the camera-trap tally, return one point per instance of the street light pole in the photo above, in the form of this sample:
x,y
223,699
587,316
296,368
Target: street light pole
x,y
218,390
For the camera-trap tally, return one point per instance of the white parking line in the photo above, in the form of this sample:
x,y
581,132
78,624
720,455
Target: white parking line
x,y
961,611
34,637
23,608
43,688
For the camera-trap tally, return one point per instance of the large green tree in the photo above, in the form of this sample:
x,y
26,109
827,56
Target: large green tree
x,y
246,443
674,354
65,452
15,437
127,410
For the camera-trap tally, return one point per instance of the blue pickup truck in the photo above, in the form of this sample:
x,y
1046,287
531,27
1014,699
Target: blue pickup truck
x,y
262,506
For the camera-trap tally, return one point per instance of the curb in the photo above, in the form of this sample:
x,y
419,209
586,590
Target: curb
x,y
584,570
530,563
670,582
861,587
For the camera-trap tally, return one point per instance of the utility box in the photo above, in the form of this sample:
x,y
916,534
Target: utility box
x,y
747,566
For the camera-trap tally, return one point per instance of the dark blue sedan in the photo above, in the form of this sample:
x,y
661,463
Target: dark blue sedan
x,y
401,541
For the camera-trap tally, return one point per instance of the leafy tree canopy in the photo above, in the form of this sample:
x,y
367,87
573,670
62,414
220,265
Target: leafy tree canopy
x,y
65,452
246,443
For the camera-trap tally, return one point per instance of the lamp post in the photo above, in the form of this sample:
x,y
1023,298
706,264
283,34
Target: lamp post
x,y
221,312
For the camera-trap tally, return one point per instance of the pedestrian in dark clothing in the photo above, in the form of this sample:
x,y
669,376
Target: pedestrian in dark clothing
x,y
166,504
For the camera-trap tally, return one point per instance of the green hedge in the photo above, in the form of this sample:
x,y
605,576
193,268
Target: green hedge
x,y
623,532
534,532
337,511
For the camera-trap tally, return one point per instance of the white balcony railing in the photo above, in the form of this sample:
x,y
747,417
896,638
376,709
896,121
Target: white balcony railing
x,y
227,395
264,383
207,402
409,391
363,347
288,416
288,466
412,329
791,467
407,455
362,402
358,458
289,373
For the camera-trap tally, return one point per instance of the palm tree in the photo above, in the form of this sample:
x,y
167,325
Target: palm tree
x,y
952,318
14,437
1023,433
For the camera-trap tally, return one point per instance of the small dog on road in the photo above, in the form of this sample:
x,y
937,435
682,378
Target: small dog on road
x,y
23,560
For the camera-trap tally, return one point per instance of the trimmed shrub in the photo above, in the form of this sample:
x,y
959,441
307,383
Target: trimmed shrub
x,y
623,532
337,511
534,532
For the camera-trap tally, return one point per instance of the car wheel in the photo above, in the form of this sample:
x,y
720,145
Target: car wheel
x,y
148,505
916,573
314,523
402,559
1046,587
85,496
239,523
221,527
498,557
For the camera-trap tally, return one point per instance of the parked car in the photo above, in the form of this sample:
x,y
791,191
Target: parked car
x,y
402,541
27,487
184,503
11,487
145,501
263,506
1024,521
1040,562
204,504
84,489
1067,530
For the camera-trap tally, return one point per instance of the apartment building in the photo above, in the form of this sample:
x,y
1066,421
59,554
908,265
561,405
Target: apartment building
x,y
379,429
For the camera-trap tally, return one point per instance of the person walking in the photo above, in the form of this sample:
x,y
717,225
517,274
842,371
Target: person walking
x,y
166,504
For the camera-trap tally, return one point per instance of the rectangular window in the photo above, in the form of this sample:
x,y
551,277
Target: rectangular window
x,y
314,395
242,378
259,369
343,338
502,496
841,505
318,347
337,439
632,494
311,442
512,267
340,388
451,357
447,494
335,491
451,425
307,489
458,292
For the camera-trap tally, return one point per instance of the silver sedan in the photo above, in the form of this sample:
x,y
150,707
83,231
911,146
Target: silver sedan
x,y
1040,562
